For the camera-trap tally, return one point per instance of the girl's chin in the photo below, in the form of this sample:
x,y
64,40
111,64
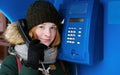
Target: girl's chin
x,y
46,44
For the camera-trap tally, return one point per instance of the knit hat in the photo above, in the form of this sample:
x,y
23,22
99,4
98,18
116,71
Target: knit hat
x,y
41,12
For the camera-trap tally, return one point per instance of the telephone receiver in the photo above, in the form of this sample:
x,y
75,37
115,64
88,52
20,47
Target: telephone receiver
x,y
22,27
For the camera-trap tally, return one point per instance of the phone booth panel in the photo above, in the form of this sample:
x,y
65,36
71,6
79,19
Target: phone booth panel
x,y
82,33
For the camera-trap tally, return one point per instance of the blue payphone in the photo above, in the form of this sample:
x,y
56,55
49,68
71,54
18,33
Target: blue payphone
x,y
82,33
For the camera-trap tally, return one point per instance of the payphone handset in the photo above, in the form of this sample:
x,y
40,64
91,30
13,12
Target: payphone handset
x,y
79,33
22,27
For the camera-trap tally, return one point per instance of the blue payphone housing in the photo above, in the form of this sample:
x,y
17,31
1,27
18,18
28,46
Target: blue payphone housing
x,y
82,34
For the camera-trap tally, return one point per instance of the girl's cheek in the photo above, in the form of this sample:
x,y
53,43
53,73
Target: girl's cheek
x,y
38,34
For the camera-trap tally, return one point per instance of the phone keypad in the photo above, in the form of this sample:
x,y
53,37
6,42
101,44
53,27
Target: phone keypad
x,y
73,34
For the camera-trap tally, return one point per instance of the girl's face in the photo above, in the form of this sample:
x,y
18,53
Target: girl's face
x,y
46,32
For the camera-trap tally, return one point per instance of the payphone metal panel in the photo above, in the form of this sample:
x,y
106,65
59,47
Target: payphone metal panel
x,y
78,34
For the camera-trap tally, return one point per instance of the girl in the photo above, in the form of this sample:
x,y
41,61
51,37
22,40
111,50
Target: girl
x,y
39,57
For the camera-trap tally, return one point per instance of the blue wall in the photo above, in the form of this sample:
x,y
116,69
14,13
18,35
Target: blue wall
x,y
111,62
14,9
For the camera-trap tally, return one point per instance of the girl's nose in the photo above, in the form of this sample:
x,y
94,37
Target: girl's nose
x,y
47,32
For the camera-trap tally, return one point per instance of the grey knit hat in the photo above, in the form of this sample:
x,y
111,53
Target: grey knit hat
x,y
40,12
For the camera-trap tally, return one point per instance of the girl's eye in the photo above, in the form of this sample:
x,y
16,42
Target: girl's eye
x,y
54,27
41,26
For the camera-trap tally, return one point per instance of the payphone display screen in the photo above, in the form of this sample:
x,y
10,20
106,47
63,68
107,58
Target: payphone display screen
x,y
76,20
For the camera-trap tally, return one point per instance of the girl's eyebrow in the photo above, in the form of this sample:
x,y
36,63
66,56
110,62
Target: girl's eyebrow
x,y
46,24
54,25
41,24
